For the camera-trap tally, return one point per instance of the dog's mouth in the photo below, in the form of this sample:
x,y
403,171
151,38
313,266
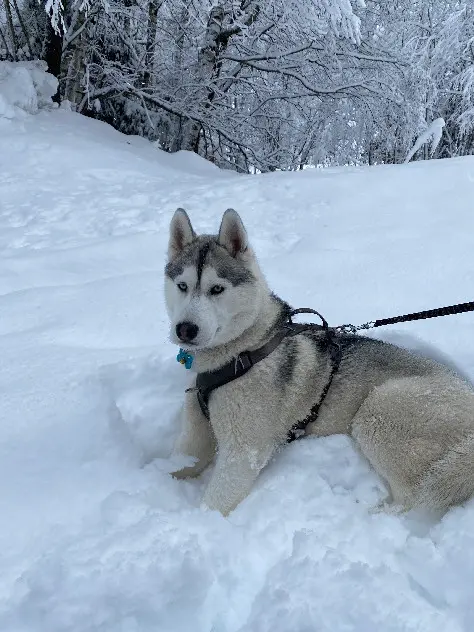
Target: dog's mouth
x,y
186,345
191,345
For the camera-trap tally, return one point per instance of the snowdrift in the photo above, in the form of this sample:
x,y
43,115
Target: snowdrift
x,y
25,88
95,535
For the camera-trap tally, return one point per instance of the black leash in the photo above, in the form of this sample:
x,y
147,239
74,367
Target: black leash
x,y
460,308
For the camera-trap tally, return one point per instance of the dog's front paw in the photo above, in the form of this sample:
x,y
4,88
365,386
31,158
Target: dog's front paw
x,y
187,472
389,507
185,466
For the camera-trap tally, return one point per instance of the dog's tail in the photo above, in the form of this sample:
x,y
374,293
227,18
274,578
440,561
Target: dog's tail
x,y
450,480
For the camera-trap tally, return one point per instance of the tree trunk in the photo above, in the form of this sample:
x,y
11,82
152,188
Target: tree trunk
x,y
23,28
75,54
75,71
207,63
11,28
178,125
5,43
153,8
53,47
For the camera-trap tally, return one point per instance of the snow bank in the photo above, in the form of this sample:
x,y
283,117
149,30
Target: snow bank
x,y
95,535
25,88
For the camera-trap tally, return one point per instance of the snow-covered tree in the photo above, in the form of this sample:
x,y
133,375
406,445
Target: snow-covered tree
x,y
261,84
433,43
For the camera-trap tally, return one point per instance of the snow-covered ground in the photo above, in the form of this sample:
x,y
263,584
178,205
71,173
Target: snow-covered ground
x,y
94,533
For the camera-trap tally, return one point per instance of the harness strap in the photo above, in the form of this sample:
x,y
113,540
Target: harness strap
x,y
208,381
298,429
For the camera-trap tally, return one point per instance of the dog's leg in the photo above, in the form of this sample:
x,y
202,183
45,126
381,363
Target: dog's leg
x,y
388,506
196,439
237,468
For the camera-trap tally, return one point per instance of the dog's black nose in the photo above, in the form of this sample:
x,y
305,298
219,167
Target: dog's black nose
x,y
186,331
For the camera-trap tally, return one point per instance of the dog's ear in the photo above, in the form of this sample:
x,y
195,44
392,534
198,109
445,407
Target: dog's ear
x,y
181,233
232,233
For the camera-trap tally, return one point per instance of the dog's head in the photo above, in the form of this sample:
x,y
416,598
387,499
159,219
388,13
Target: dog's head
x,y
212,287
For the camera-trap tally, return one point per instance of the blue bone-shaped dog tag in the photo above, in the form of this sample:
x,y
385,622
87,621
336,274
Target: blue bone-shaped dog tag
x,y
185,358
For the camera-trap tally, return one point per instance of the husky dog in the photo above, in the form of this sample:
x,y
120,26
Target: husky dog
x,y
411,417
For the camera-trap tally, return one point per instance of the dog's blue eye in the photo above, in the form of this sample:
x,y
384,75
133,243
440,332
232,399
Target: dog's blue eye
x,y
217,289
183,286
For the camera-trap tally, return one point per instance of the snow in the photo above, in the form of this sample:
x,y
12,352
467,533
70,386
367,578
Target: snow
x,y
25,87
95,535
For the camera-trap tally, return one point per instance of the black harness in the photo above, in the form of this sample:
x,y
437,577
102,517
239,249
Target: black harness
x,y
209,381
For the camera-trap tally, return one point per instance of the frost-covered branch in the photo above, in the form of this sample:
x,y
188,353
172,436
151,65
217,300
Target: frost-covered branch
x,y
432,134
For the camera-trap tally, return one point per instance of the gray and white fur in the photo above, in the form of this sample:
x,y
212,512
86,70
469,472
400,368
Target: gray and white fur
x,y
412,417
